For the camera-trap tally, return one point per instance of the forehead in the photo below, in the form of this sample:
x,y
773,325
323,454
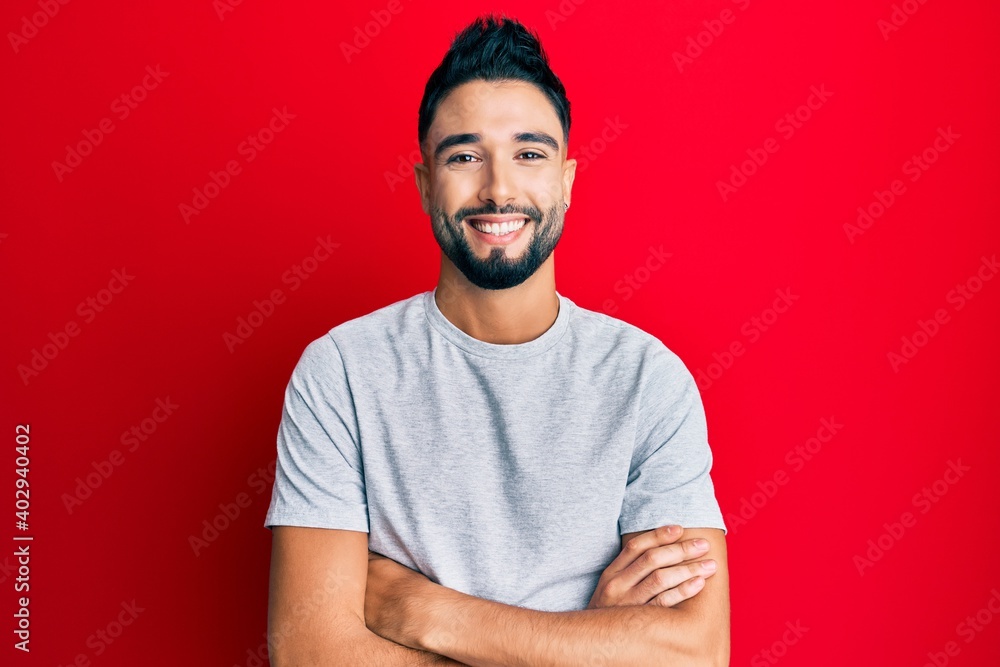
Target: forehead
x,y
495,110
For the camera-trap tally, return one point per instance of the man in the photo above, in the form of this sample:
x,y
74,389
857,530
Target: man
x,y
484,474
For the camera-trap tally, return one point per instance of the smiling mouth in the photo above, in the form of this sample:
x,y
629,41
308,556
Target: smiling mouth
x,y
498,228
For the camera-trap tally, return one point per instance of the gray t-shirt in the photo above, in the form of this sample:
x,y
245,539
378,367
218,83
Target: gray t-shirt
x,y
508,472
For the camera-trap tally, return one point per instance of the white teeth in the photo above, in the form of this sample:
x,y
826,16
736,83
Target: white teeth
x,y
498,229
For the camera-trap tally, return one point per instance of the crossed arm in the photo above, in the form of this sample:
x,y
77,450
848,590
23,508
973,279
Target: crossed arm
x,y
648,609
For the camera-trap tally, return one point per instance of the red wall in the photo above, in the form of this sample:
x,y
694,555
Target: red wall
x,y
834,423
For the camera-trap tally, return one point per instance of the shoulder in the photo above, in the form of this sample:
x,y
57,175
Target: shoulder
x,y
360,337
654,359
383,324
387,320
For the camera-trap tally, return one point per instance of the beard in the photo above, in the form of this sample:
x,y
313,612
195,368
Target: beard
x,y
498,270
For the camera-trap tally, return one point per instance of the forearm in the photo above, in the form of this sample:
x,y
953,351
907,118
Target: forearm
x,y
359,647
374,650
482,633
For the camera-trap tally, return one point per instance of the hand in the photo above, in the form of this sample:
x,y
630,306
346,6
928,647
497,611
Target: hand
x,y
389,586
653,568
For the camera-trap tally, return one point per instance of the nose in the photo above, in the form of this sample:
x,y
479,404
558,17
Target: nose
x,y
499,186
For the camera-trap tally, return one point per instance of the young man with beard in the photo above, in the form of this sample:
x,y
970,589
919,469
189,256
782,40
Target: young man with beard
x,y
486,473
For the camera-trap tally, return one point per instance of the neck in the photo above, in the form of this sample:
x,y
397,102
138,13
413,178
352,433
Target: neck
x,y
503,317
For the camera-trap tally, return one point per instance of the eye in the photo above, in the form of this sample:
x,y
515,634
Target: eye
x,y
455,158
539,155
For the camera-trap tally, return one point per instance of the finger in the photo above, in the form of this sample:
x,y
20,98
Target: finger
x,y
678,594
668,578
639,544
660,557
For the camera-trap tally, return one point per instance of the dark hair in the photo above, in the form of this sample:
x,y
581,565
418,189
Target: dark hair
x,y
493,48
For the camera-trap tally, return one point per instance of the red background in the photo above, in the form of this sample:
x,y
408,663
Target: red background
x,y
654,183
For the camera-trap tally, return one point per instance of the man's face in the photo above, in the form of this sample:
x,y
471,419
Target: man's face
x,y
495,154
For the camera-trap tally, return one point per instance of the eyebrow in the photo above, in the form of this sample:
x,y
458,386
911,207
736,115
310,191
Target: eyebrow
x,y
518,137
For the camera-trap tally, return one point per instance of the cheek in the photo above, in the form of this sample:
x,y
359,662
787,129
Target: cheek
x,y
544,187
457,190
548,197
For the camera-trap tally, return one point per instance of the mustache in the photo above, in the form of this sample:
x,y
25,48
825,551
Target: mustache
x,y
528,211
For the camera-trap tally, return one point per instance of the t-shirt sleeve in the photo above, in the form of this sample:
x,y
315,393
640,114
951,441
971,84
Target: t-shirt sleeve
x,y
319,480
669,479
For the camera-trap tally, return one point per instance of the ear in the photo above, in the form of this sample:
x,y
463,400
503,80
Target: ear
x,y
568,175
423,180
